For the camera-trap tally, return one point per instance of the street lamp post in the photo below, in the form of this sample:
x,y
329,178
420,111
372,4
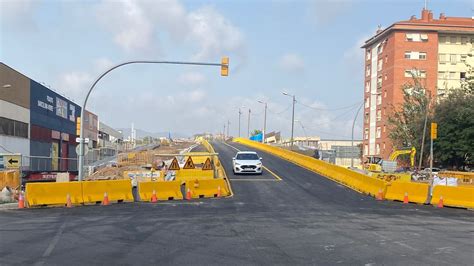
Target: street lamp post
x,y
264,121
292,118
240,114
248,124
352,139
224,64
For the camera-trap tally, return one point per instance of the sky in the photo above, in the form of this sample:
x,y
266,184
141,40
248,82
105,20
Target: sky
x,y
310,49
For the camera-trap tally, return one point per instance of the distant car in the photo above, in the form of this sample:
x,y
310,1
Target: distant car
x,y
247,162
435,170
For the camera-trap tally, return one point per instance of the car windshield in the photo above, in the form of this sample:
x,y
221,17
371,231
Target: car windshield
x,y
247,156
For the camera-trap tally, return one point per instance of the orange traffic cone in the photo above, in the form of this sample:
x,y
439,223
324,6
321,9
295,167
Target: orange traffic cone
x,y
219,192
106,199
21,201
440,202
379,195
188,194
405,198
153,197
68,201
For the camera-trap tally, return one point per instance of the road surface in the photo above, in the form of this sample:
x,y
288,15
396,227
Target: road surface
x,y
287,216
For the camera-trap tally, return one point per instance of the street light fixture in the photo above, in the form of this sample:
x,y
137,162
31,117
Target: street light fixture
x,y
264,121
224,72
292,118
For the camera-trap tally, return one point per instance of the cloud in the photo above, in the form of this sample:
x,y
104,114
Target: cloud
x,y
139,26
324,12
192,78
291,62
18,14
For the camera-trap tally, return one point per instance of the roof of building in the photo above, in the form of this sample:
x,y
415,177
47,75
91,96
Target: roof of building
x,y
427,23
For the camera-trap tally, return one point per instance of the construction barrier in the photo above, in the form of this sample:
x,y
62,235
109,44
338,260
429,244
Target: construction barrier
x,y
10,178
208,188
117,190
53,193
165,190
198,157
349,178
184,175
454,196
416,192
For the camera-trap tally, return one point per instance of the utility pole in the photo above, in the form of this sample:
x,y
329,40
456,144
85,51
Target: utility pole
x,y
264,121
240,114
228,126
248,124
223,132
292,118
424,131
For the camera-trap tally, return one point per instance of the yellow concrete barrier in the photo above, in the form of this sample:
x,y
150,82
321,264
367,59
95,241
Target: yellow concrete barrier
x,y
207,188
53,193
184,175
93,191
417,192
454,196
165,190
349,178
10,178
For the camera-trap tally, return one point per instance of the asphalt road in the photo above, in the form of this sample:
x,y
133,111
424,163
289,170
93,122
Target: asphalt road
x,y
301,219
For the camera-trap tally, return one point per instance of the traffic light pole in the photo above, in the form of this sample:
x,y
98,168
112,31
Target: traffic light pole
x,y
224,72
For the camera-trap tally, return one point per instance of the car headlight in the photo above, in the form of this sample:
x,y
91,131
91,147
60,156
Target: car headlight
x,y
237,164
259,164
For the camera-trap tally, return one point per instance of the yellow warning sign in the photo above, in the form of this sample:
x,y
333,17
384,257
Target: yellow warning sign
x,y
174,164
12,161
189,164
207,165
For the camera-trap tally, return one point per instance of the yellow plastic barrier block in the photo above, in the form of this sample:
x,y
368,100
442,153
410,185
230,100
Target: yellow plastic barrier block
x,y
93,191
417,192
454,196
207,188
184,175
165,190
53,193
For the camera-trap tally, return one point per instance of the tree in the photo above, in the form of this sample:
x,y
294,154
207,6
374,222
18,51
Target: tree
x,y
407,121
255,132
455,117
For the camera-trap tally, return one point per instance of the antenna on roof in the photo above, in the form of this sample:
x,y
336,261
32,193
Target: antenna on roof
x,y
426,4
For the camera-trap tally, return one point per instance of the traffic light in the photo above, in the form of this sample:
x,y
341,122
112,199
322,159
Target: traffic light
x,y
225,66
434,131
78,126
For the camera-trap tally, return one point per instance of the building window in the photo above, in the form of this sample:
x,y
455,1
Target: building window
x,y
415,73
424,37
377,148
366,149
453,58
379,99
422,56
386,58
416,37
367,86
14,128
462,75
463,57
415,55
385,77
442,39
379,65
384,128
367,102
443,58
442,75
367,71
378,132
379,82
366,118
379,115
366,133
383,146
407,55
367,56
379,49
452,75
453,39
463,40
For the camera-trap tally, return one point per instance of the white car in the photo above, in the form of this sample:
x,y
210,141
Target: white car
x,y
247,162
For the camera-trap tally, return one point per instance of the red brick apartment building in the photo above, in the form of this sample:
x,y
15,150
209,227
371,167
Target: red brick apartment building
x,y
433,49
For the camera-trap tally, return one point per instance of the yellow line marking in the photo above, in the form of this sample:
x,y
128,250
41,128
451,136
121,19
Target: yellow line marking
x,y
271,172
263,166
248,179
